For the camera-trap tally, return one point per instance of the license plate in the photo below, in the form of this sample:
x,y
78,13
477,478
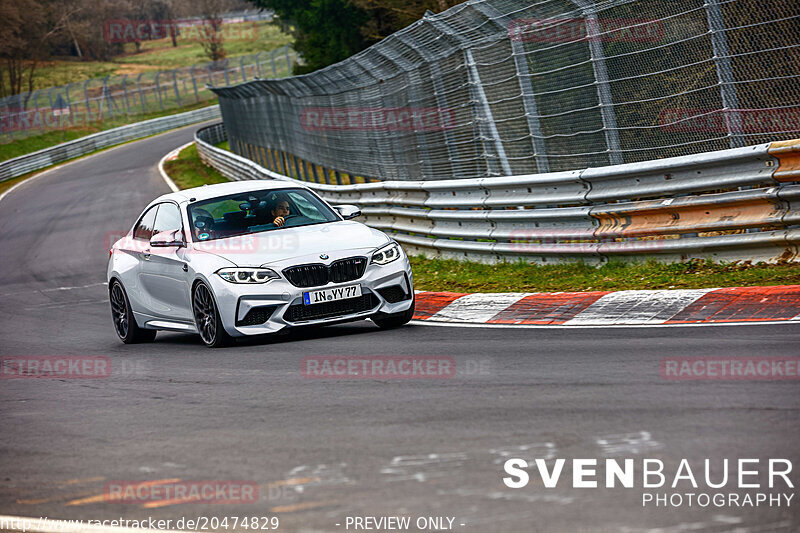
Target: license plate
x,y
331,295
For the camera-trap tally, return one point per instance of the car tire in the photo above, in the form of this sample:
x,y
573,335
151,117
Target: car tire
x,y
125,324
207,319
394,320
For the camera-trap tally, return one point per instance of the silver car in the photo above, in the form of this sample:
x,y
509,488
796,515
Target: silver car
x,y
253,258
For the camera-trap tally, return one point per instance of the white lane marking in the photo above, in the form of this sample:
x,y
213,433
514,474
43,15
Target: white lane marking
x,y
628,443
49,525
64,304
427,322
637,307
478,307
74,288
171,155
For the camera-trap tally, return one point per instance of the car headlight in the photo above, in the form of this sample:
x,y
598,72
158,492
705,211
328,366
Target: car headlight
x,y
247,275
387,254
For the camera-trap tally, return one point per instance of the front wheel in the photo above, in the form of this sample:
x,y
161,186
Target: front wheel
x,y
124,323
394,320
207,319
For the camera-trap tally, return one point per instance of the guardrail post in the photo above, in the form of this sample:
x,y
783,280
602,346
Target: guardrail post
x,y
604,96
725,79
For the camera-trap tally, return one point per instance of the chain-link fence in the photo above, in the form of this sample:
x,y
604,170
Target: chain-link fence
x,y
85,102
505,87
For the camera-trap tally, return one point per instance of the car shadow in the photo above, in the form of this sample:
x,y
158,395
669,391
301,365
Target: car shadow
x,y
289,335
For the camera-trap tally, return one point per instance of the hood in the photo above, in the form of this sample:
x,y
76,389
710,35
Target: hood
x,y
297,245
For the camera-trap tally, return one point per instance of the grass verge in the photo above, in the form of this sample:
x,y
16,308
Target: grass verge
x,y
461,276
188,170
457,276
52,138
160,54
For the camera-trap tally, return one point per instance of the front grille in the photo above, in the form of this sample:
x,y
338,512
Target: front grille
x,y
257,315
318,274
348,269
394,294
300,312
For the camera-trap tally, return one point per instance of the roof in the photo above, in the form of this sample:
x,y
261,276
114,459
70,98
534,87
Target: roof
x,y
206,192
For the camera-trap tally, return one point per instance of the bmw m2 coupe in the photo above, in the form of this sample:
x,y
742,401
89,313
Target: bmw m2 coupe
x,y
253,258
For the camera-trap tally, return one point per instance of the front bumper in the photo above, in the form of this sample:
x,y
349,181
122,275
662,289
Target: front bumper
x,y
262,309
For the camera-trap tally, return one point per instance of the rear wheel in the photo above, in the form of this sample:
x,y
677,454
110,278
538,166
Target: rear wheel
x,y
207,319
394,320
124,322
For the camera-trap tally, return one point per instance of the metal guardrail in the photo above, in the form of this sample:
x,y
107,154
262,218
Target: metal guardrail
x,y
730,205
85,145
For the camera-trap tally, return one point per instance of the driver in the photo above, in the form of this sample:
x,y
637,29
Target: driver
x,y
203,224
279,211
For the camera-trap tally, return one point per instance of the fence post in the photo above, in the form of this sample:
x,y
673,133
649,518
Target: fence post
x,y
125,94
141,94
478,96
274,68
175,86
258,66
523,75
194,84
158,91
241,68
88,105
225,70
725,79
604,97
288,60
441,98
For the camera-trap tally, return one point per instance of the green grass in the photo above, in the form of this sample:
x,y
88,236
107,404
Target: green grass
x,y
155,55
52,138
458,276
188,171
461,276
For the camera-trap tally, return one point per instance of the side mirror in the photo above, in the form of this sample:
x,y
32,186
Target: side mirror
x,y
348,211
165,239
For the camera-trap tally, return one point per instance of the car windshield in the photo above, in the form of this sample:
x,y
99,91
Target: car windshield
x,y
256,211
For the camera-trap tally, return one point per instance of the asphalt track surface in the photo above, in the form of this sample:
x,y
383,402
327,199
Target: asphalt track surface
x,y
324,449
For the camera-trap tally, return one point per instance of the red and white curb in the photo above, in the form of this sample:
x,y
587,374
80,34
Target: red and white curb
x,y
619,308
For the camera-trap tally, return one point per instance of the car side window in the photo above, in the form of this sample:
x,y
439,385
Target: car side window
x,y
168,218
144,229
